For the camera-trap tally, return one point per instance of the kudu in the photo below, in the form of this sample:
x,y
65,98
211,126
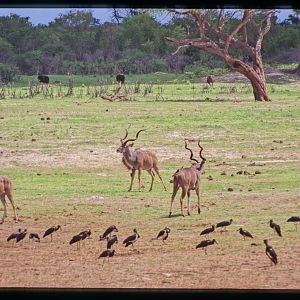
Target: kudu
x,y
6,188
188,179
210,80
137,159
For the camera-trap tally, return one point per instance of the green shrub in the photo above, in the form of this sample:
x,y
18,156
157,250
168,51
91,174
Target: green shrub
x,y
8,73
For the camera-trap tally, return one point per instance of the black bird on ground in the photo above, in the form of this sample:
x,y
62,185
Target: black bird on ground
x,y
295,220
245,233
107,253
34,236
80,237
275,227
51,230
14,235
206,243
163,234
21,235
107,232
270,252
76,239
110,241
208,230
85,234
224,224
131,239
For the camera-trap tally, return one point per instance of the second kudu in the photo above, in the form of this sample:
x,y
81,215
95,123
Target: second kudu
x,y
138,159
188,179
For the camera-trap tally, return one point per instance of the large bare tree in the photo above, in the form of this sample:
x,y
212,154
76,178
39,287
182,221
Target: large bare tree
x,y
214,35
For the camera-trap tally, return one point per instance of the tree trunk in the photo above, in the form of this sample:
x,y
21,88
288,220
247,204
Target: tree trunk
x,y
260,91
255,74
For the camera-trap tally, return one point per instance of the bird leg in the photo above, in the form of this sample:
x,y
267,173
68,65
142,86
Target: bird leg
x,y
205,251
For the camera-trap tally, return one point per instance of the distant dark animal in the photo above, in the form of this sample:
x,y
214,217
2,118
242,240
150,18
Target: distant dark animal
x,y
275,227
120,79
270,252
21,235
43,79
34,236
51,230
131,239
208,230
245,233
210,80
295,220
163,234
14,235
6,189
206,243
111,240
108,231
224,224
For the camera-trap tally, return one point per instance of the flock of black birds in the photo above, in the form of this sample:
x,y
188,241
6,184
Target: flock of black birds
x,y
270,252
163,234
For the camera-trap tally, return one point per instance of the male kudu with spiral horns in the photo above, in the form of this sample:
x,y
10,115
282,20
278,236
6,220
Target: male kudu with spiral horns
x,y
188,179
138,159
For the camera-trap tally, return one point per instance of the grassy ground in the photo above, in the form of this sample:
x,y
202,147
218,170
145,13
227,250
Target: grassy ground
x,y
61,155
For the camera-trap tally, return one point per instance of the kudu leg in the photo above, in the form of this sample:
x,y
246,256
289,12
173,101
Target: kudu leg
x,y
2,198
139,178
175,189
10,197
184,191
152,178
189,203
198,196
132,177
157,172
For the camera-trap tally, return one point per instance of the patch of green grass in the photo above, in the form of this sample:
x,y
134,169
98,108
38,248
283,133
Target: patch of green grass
x,y
230,125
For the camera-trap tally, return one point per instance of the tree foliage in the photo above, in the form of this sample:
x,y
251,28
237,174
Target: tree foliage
x,y
78,43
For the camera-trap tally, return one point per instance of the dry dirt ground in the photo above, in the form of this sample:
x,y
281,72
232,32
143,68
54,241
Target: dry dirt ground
x,y
230,264
150,264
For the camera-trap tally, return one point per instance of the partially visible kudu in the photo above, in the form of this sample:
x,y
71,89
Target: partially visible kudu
x,y
138,159
210,80
6,188
188,179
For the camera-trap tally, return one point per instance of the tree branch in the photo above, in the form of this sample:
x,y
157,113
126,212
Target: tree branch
x,y
248,13
180,47
262,31
221,20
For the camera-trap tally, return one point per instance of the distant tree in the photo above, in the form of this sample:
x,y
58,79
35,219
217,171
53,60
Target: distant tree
x,y
245,35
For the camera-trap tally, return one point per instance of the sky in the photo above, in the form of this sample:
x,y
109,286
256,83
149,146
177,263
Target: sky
x,y
46,15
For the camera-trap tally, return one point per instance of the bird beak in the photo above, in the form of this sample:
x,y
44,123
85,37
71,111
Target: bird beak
x,y
216,242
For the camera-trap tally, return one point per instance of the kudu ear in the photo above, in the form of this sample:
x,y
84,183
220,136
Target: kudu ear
x,y
131,145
